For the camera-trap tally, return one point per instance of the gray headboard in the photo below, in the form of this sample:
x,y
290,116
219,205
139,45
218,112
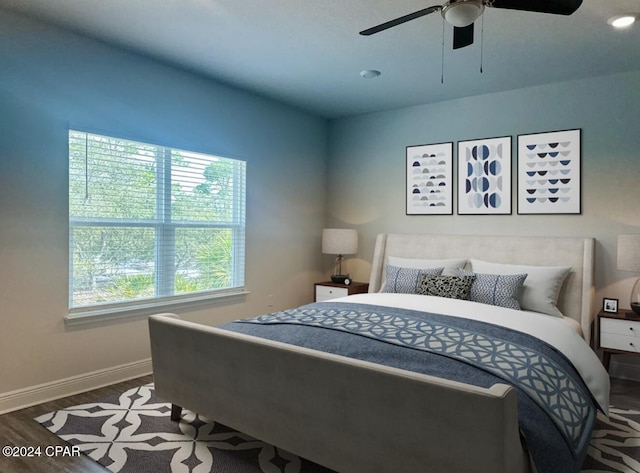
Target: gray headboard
x,y
576,297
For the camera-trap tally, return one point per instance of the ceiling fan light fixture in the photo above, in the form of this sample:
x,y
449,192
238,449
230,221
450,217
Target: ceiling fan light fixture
x,y
462,13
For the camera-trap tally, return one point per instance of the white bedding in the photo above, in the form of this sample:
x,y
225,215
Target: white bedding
x,y
550,329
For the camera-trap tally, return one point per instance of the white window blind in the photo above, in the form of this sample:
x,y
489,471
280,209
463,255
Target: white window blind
x,y
151,222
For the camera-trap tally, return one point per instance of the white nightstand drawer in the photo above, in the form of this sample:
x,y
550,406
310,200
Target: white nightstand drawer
x,y
620,342
328,292
628,328
617,333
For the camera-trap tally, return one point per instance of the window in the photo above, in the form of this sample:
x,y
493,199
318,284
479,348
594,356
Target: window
x,y
150,223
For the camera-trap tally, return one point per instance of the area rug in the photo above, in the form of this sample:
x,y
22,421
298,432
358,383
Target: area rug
x,y
615,443
132,433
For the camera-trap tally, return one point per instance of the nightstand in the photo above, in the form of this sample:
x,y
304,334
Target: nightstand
x,y
330,290
618,334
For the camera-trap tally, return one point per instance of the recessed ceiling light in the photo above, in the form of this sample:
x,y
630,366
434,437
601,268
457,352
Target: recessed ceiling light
x,y
622,21
369,73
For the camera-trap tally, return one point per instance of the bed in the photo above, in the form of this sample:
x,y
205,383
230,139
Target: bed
x,y
333,383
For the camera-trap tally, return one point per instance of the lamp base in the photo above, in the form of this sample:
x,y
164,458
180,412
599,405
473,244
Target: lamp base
x,y
340,278
635,307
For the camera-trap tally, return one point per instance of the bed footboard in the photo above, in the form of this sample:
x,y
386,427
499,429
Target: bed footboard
x,y
349,415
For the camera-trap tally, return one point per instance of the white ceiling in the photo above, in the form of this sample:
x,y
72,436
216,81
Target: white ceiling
x,y
310,54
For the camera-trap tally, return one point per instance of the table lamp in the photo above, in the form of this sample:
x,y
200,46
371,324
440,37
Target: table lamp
x,y
339,241
629,260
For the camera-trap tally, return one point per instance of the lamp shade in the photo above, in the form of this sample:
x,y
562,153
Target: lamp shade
x,y
629,253
339,241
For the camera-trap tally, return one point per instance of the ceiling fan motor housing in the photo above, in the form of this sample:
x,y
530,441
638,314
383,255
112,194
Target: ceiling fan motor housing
x,y
462,13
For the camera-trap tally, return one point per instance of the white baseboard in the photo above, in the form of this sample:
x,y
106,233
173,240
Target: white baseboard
x,y
33,395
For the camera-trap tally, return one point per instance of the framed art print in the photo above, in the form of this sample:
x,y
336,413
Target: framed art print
x,y
610,305
484,176
549,173
429,179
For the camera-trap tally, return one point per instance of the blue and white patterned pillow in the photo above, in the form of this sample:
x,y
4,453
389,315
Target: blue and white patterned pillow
x,y
540,290
496,289
405,280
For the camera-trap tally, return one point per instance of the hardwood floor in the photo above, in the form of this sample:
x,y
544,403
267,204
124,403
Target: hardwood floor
x,y
625,394
19,429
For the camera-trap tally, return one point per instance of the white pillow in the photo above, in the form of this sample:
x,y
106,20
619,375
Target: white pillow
x,y
450,265
540,290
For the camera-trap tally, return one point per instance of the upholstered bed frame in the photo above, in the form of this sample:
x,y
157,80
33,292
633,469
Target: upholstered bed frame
x,y
354,416
576,297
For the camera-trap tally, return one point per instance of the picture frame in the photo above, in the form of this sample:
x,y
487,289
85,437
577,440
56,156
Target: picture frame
x,y
549,172
484,176
429,188
610,305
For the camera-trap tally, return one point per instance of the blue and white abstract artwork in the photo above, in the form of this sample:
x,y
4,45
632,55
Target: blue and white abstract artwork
x,y
484,176
549,173
429,179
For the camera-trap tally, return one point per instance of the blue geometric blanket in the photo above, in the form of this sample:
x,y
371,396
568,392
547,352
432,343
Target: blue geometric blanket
x,y
556,411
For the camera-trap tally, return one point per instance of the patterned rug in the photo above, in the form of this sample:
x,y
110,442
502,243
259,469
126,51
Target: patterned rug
x,y
133,433
615,443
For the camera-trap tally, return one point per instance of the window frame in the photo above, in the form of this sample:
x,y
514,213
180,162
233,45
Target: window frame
x,y
164,228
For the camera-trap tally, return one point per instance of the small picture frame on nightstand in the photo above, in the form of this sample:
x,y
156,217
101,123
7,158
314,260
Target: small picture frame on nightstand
x,y
610,305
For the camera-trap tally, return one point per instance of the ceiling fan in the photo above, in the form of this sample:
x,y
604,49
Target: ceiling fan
x,y
461,14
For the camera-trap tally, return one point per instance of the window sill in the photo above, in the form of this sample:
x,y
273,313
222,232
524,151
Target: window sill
x,y
96,314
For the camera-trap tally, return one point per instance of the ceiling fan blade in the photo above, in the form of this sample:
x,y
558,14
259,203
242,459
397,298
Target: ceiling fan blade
x,y
462,36
556,7
399,21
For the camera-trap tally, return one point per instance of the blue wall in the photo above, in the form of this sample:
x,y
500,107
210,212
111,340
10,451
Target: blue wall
x,y
367,166
52,80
